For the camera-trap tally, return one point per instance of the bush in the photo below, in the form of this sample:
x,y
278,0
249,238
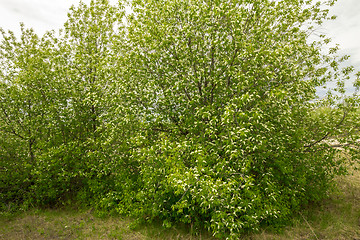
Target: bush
x,y
228,91
200,112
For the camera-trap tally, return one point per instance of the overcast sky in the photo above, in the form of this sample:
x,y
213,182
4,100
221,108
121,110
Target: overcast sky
x,y
45,15
345,30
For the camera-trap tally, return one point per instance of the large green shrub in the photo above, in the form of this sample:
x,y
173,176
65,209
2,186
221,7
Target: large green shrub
x,y
227,90
200,112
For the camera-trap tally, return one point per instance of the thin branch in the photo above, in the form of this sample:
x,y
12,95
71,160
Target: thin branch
x,y
328,133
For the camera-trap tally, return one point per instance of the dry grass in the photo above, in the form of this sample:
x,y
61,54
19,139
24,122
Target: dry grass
x,y
336,218
65,224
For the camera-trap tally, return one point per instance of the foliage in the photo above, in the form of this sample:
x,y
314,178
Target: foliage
x,y
200,112
227,88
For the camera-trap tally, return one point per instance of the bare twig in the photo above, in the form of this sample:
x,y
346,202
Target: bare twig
x,y
328,133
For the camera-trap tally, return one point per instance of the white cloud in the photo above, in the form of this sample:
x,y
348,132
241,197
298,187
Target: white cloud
x,y
345,30
41,15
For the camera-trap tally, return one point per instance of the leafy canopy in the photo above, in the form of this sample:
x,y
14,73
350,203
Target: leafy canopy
x,y
201,112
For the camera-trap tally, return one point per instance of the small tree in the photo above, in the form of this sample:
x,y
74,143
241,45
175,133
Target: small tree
x,y
56,107
227,90
25,108
84,65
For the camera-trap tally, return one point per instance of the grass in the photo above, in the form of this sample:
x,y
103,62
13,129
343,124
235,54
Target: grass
x,y
70,224
335,218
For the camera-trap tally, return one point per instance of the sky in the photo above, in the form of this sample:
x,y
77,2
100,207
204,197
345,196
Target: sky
x,y
43,15
345,30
